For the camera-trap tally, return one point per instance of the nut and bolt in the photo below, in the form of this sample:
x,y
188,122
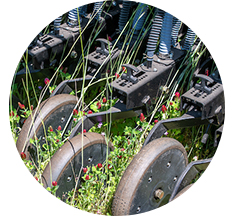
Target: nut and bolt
x,y
159,194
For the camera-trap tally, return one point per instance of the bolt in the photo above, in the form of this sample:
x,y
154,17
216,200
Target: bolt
x,y
155,69
62,119
69,178
90,159
159,194
138,209
150,179
74,54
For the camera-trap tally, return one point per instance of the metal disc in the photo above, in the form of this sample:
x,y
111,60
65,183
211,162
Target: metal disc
x,y
183,191
54,112
150,178
66,164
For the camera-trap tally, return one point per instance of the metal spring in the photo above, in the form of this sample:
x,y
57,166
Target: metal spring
x,y
57,23
189,40
139,18
154,34
98,9
73,17
123,17
175,30
165,40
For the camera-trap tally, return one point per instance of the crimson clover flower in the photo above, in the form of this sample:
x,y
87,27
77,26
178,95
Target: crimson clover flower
x,y
50,129
104,100
164,108
46,81
54,183
142,117
21,105
116,75
99,165
177,94
75,112
23,155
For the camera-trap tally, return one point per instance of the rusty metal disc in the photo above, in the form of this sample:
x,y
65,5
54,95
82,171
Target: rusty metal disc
x,y
65,166
54,112
150,178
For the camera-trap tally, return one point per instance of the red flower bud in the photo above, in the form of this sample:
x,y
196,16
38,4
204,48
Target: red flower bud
x,y
90,112
59,128
23,155
54,183
46,81
50,129
109,38
99,165
116,75
104,100
75,112
12,113
87,177
21,105
177,94
164,108
155,121
84,131
85,169
142,117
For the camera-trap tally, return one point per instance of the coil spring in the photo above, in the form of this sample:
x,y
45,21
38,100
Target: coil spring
x,y
175,30
72,17
123,17
154,34
189,40
98,9
139,17
57,23
165,40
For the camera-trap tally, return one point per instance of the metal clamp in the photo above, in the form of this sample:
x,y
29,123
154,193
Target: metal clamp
x,y
103,49
129,75
203,86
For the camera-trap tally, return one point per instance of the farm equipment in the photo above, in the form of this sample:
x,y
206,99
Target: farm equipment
x,y
160,171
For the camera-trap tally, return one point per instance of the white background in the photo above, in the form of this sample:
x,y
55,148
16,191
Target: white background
x,y
21,21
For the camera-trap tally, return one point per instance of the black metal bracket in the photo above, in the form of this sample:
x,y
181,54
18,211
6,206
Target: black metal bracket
x,y
207,99
118,111
189,174
189,119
